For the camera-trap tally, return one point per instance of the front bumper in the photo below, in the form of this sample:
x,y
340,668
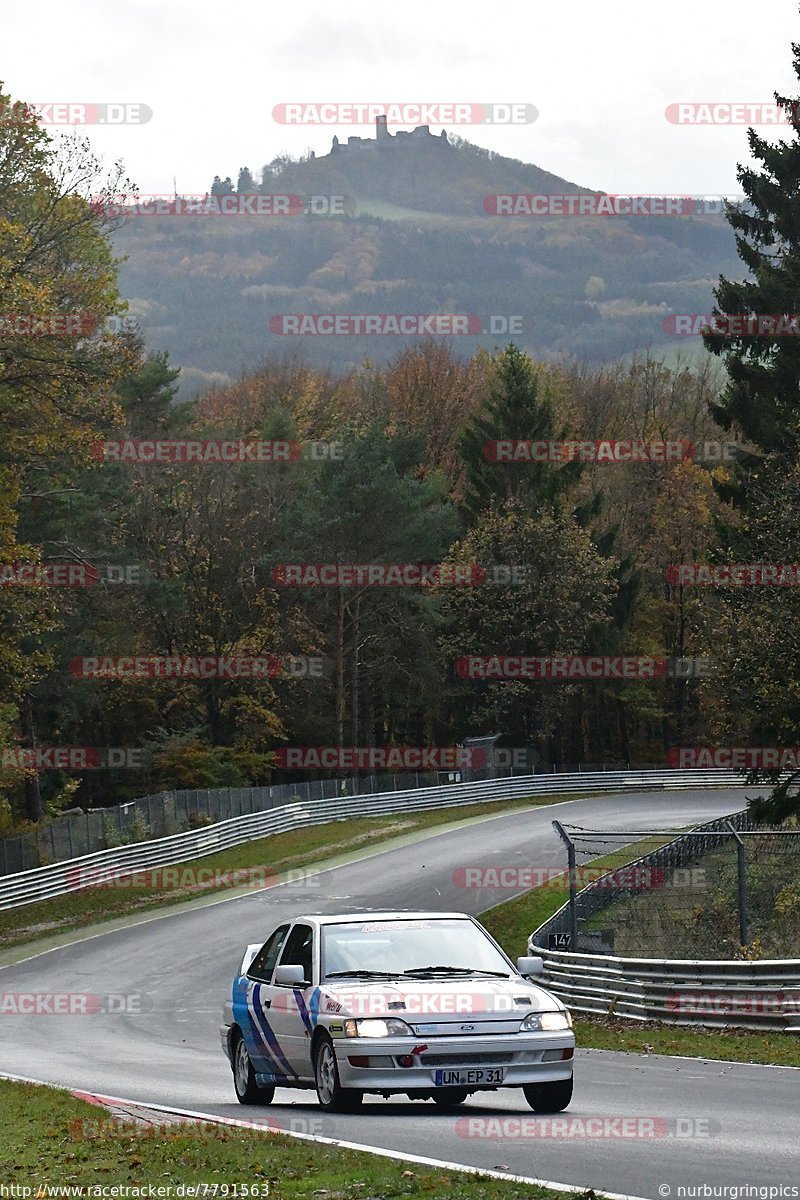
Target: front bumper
x,y
525,1058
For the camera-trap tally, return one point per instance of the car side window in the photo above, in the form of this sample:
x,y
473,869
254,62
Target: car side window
x,y
263,964
299,948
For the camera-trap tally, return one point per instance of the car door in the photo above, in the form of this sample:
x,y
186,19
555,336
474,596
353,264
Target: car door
x,y
293,1009
251,1010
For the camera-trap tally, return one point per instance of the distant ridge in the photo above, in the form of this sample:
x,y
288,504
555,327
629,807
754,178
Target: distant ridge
x,y
415,237
412,169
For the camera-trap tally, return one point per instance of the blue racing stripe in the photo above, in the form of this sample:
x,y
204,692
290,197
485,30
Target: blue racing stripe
x,y
270,1042
309,1015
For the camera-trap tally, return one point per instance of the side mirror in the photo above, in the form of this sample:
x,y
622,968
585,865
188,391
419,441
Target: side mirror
x,y
289,974
530,965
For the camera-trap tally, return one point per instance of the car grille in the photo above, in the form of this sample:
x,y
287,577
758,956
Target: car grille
x,y
465,1059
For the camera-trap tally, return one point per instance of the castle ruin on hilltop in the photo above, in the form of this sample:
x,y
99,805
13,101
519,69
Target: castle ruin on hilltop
x,y
383,138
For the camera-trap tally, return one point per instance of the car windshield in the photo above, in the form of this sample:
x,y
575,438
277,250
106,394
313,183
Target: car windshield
x,y
438,947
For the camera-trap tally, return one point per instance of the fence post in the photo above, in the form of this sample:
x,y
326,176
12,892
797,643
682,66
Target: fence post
x,y
741,871
573,912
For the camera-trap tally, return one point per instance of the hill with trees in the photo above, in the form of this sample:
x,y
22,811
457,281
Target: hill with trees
x,y
411,234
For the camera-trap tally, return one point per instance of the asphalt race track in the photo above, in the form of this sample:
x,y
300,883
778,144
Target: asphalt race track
x,y
182,965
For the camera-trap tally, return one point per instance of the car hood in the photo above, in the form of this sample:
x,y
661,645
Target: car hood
x,y
439,1000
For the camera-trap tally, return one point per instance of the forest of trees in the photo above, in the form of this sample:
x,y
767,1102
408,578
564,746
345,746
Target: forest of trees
x,y
592,544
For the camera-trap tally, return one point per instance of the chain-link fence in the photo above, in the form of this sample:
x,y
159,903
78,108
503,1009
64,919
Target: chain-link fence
x,y
724,890
173,812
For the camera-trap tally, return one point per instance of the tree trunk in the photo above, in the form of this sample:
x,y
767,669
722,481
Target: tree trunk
x,y
340,670
33,795
354,683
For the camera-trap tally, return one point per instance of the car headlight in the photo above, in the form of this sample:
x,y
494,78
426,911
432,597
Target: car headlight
x,y
561,1019
377,1027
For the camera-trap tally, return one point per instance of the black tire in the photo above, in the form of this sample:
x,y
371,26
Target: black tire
x,y
450,1097
244,1077
330,1093
549,1097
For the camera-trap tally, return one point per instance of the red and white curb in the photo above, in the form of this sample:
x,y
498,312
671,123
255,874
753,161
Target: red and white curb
x,y
397,1155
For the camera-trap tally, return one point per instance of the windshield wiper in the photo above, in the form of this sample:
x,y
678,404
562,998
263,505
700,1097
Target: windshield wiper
x,y
362,974
455,971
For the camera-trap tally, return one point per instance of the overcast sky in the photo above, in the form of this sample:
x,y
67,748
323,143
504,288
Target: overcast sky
x,y
600,76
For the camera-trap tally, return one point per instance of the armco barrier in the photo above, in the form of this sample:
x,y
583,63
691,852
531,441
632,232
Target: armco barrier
x,y
77,833
44,883
750,995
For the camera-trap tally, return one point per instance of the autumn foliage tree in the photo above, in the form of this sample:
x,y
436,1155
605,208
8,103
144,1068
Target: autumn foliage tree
x,y
56,385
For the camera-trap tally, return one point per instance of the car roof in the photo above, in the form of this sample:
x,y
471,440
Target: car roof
x,y
363,917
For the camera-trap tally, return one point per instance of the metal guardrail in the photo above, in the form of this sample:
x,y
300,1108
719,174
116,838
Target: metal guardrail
x,y
175,811
59,879
749,994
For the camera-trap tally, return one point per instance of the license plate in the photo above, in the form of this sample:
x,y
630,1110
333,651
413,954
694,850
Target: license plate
x,y
463,1076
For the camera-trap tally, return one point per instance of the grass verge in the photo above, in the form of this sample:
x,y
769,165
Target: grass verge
x,y
512,922
736,1045
274,855
51,1137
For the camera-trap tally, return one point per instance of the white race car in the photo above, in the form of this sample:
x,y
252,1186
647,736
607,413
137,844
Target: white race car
x,y
419,1003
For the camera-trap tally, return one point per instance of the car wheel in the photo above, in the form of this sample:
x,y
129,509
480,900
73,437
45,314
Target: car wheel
x,y
449,1097
330,1093
549,1097
244,1077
